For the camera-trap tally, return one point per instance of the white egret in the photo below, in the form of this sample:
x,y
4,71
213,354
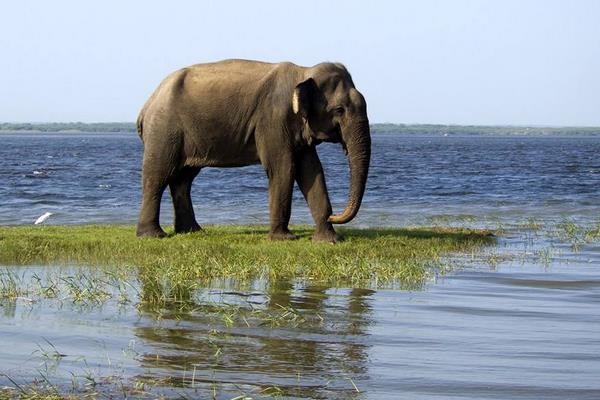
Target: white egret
x,y
42,218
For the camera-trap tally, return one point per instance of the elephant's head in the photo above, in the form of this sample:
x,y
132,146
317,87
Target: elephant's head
x,y
334,111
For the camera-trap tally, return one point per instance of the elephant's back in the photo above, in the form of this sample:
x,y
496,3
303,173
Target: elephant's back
x,y
225,78
234,67
221,80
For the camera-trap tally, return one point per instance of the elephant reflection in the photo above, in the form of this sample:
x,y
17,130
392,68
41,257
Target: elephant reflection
x,y
304,360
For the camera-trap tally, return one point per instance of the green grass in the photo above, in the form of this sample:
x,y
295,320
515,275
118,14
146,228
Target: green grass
x,y
242,252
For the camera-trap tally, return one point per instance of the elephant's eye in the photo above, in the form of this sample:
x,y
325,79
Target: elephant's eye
x,y
338,111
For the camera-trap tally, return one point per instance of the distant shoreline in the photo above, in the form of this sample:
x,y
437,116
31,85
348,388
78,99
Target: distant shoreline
x,y
387,128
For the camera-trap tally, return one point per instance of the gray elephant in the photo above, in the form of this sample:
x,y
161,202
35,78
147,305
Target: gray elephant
x,y
236,112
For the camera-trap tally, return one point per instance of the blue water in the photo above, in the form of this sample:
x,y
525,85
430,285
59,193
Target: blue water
x,y
519,321
95,178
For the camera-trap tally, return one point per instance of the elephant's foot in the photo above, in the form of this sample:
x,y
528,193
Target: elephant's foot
x,y
187,227
283,234
150,231
326,235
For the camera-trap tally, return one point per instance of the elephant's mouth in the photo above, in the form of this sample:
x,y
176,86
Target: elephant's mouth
x,y
336,134
333,135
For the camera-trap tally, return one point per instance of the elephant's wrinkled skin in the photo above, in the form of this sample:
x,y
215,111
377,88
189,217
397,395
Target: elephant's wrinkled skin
x,y
236,112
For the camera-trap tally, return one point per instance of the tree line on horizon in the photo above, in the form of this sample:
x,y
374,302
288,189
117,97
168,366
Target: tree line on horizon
x,y
110,127
388,128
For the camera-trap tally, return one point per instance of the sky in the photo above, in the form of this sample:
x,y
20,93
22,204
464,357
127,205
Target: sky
x,y
502,62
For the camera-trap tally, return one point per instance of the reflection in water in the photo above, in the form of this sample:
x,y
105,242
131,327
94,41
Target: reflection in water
x,y
8,307
303,340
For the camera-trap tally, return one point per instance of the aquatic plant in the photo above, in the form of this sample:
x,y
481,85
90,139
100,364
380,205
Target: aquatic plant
x,y
577,234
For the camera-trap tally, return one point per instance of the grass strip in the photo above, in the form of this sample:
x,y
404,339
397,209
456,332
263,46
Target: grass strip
x,y
242,253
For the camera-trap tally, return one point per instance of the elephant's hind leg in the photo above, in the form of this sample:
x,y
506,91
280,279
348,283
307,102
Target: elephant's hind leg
x,y
158,169
153,186
181,186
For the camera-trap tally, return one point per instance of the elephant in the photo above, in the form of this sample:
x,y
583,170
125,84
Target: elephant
x,y
234,113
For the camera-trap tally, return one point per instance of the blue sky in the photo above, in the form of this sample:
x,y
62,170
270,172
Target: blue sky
x,y
458,62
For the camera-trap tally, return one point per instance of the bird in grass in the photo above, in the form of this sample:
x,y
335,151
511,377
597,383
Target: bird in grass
x,y
42,218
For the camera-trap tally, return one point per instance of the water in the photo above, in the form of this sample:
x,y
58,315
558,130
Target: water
x,y
96,179
524,326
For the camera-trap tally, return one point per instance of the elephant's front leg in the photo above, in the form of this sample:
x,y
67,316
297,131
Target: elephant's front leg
x,y
311,180
281,184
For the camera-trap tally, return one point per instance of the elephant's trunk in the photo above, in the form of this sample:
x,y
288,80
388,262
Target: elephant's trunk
x,y
358,143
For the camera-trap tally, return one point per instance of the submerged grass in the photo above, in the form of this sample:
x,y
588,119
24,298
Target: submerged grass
x,y
576,234
242,253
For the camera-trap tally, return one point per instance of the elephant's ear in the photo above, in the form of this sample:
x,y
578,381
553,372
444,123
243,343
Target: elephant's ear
x,y
303,97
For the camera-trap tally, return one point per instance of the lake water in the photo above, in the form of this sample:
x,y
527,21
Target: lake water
x,y
520,321
96,179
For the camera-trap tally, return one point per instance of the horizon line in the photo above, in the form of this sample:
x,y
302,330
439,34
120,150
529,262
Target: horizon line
x,y
536,126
